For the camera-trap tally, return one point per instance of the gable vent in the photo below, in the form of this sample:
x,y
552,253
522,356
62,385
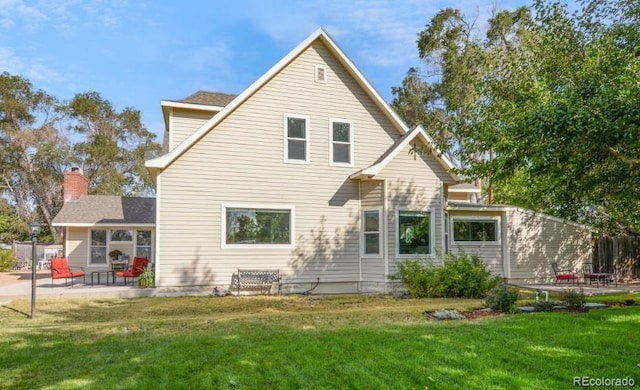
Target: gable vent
x,y
321,74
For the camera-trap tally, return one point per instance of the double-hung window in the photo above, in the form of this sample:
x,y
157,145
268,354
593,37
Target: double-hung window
x,y
371,232
340,142
414,232
475,230
98,247
296,142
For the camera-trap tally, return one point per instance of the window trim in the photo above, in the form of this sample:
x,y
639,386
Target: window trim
x,y
106,247
274,206
363,241
331,142
432,233
315,74
476,218
285,127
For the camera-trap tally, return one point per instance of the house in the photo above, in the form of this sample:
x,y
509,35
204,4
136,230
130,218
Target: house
x,y
310,171
94,225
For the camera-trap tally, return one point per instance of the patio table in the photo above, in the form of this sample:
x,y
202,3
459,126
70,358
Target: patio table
x,y
107,272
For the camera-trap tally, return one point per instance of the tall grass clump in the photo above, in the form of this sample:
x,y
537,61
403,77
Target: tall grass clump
x,y
460,276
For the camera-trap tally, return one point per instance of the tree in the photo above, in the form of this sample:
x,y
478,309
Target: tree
x,y
551,113
35,152
115,145
562,115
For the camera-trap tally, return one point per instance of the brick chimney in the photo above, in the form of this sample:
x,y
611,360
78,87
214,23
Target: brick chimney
x,y
75,185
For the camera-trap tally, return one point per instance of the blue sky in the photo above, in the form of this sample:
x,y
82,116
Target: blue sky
x,y
136,53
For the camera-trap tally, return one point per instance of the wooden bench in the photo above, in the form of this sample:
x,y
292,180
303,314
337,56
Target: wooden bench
x,y
257,279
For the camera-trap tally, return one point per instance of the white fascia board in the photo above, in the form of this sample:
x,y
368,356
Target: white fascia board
x,y
82,224
190,106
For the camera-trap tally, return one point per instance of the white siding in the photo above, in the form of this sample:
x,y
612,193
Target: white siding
x,y
537,240
241,160
76,247
185,122
491,253
372,197
414,182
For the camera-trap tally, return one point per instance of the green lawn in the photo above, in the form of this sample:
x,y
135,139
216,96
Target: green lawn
x,y
357,342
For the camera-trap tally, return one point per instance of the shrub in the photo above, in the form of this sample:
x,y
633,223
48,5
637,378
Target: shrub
x,y
465,276
7,259
574,300
419,277
461,276
502,298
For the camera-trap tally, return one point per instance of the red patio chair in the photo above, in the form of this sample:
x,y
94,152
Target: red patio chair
x,y
60,270
138,266
564,274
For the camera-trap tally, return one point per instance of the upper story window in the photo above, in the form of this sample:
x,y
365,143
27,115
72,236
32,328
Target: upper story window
x,y
475,230
340,142
296,143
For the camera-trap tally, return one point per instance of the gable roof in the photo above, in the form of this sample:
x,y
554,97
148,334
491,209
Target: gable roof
x,y
96,210
418,132
157,164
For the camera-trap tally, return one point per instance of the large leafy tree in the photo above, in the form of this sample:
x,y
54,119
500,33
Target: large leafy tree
x,y
551,114
33,154
114,145
35,151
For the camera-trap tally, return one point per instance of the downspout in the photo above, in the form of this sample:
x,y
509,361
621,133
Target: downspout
x,y
157,277
361,235
385,240
506,252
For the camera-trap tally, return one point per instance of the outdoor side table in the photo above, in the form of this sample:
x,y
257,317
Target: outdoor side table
x,y
107,272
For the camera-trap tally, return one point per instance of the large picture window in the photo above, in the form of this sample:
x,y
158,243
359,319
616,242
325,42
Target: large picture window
x,y
470,230
250,226
296,138
371,232
98,250
341,140
414,232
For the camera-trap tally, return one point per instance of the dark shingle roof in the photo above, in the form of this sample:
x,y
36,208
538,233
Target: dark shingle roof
x,y
106,209
209,98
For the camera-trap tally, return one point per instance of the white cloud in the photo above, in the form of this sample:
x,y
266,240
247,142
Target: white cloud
x,y
34,69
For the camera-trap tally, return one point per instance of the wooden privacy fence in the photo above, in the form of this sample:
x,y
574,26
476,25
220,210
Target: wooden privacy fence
x,y
617,255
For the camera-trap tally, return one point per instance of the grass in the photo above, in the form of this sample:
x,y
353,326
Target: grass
x,y
357,342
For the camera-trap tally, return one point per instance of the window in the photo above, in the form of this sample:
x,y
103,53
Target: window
x,y
121,235
98,249
251,226
296,148
143,243
321,74
341,142
371,232
414,232
470,230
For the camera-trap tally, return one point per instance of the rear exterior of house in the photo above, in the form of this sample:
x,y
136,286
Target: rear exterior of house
x,y
285,155
310,172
